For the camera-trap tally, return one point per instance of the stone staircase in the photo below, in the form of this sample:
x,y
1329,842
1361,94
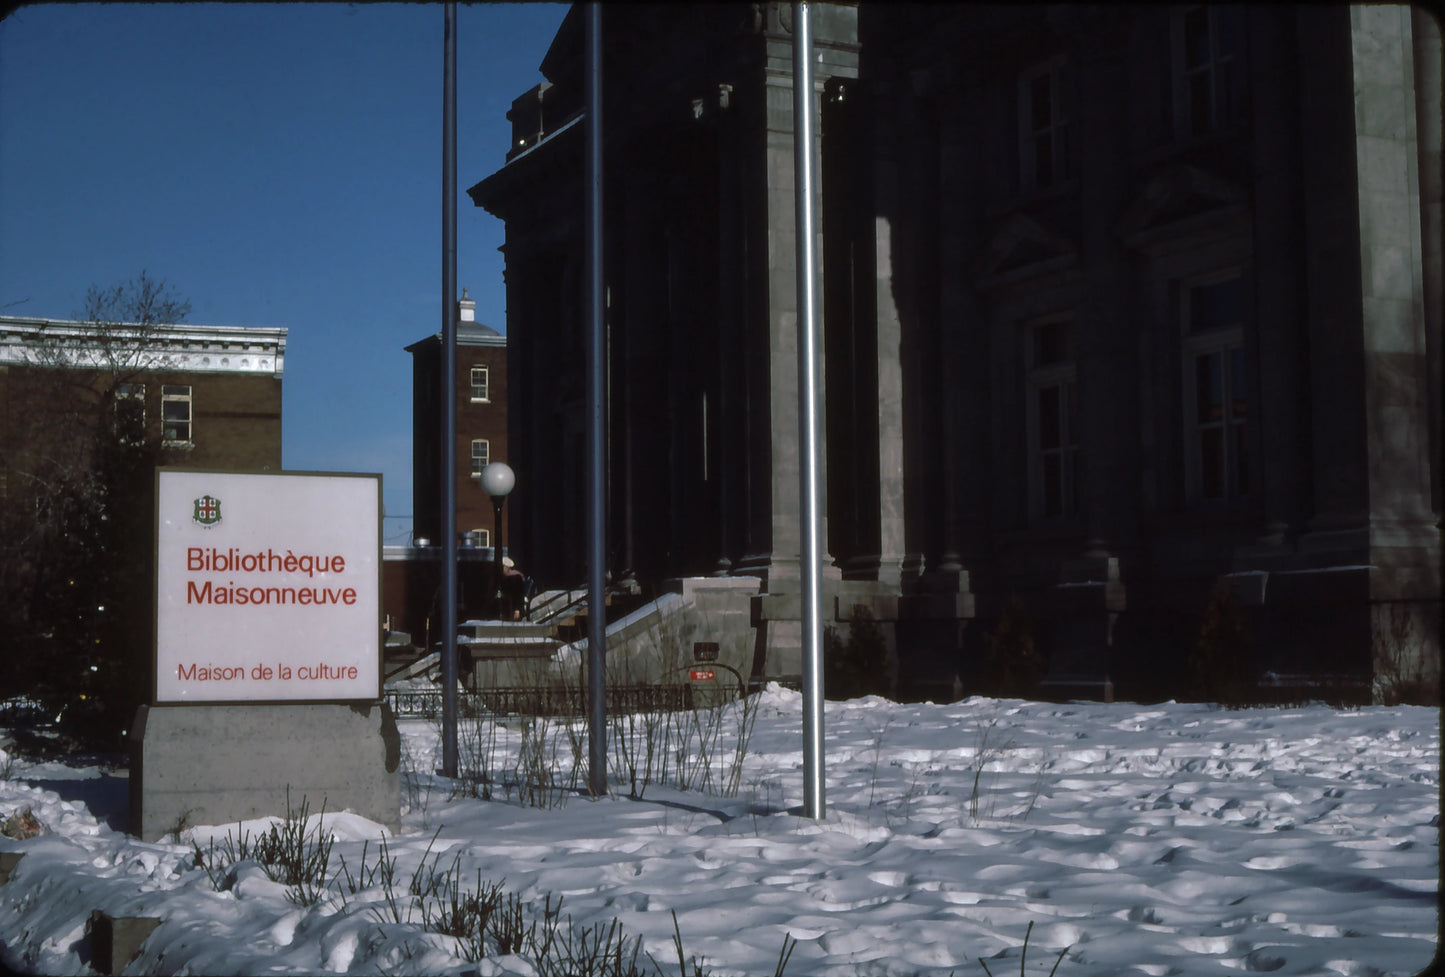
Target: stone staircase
x,y
649,643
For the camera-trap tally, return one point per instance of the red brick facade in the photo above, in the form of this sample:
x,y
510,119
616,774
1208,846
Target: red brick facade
x,y
480,418
218,389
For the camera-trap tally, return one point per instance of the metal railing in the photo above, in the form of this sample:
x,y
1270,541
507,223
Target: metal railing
x,y
413,704
553,604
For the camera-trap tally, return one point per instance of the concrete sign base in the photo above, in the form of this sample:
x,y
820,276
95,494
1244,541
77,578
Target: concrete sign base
x,y
217,764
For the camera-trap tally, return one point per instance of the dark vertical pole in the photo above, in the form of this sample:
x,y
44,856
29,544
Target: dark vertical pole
x,y
596,390
810,509
497,600
448,395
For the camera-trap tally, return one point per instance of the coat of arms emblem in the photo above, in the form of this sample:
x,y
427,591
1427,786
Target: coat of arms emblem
x,y
207,510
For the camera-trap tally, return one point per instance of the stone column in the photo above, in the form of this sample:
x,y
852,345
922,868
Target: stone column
x,y
892,545
1392,278
898,137
1369,362
776,535
890,421
1404,529
731,473
1429,90
773,421
1280,314
1332,275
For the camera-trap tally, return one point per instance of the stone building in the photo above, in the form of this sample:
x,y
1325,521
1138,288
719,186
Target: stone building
x,y
1122,306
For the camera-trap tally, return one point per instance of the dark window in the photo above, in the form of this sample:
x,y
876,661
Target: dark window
x,y
1217,388
1053,418
1209,69
1044,151
130,412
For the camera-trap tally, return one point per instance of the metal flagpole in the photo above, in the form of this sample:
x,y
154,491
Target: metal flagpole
x,y
597,454
809,509
448,395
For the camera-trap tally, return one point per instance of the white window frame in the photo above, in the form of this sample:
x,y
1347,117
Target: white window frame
x,y
1223,340
480,537
1063,375
480,458
1215,72
1054,129
178,393
481,392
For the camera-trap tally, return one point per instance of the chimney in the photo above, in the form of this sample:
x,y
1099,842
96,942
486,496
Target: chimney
x,y
466,308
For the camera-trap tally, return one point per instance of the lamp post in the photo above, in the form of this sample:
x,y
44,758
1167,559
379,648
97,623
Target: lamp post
x,y
498,480
810,487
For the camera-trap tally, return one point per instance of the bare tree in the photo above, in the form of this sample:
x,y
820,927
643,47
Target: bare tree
x,y
71,396
78,462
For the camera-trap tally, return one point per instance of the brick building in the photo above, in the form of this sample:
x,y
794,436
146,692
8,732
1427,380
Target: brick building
x,y
481,406
88,410
412,572
1121,305
210,394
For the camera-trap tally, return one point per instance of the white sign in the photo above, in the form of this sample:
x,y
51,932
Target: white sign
x,y
268,587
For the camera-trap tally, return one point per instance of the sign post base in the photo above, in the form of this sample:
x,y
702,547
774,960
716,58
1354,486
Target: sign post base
x,y
216,764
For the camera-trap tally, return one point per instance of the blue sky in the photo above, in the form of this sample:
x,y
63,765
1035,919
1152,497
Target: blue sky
x,y
278,165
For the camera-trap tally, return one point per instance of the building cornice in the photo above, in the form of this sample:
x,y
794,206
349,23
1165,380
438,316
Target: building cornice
x,y
160,347
494,340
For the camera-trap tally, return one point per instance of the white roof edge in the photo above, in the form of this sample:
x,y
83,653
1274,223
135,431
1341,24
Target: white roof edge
x,y
177,330
179,348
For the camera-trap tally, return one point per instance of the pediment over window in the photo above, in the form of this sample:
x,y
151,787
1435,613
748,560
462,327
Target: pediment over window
x,y
1179,201
1022,247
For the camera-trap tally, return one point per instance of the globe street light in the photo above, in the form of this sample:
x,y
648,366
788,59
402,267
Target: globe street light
x,y
498,480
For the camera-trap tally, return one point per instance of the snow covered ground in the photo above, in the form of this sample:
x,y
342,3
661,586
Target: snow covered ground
x,y
1155,840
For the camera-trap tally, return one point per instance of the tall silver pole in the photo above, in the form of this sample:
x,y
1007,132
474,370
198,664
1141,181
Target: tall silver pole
x,y
810,509
448,395
596,389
